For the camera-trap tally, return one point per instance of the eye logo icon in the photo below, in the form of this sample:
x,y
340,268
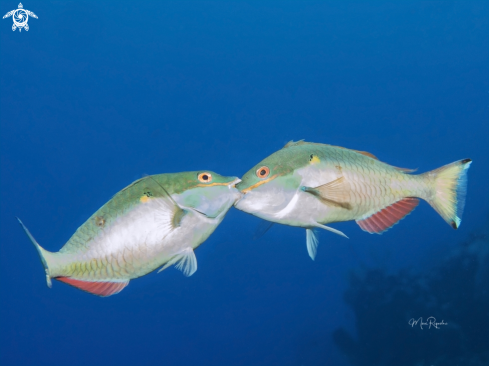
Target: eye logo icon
x,y
20,17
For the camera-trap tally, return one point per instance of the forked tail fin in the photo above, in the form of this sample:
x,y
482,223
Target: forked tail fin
x,y
449,187
41,251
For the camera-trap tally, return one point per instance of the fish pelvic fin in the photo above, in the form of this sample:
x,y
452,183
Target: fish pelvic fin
x,y
262,228
43,253
318,225
184,261
448,188
312,243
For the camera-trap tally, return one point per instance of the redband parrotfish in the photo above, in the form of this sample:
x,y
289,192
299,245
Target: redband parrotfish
x,y
156,221
309,185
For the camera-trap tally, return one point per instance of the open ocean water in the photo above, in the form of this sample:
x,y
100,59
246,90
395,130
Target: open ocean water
x,y
97,94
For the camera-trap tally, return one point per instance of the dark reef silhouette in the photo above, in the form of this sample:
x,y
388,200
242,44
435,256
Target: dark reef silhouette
x,y
455,291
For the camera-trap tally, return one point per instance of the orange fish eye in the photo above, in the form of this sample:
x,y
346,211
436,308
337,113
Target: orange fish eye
x,y
262,172
205,177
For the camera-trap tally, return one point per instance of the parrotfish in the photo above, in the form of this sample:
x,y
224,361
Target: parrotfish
x,y
157,221
309,185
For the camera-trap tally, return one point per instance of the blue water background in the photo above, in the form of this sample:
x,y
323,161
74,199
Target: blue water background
x,y
97,94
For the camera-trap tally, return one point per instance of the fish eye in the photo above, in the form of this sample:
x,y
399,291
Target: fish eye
x,y
262,172
205,177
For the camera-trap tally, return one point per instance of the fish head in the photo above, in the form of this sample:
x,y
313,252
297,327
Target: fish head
x,y
270,185
207,192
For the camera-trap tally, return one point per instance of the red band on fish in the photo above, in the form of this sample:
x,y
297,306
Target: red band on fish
x,y
389,216
97,288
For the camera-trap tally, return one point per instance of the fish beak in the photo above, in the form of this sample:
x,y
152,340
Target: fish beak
x,y
233,183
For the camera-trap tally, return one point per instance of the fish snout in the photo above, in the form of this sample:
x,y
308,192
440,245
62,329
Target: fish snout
x,y
234,183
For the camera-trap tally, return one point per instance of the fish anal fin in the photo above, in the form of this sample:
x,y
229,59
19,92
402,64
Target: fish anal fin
x,y
335,193
388,216
102,289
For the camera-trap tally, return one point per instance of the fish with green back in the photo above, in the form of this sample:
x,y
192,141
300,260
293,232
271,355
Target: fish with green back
x,y
309,185
157,221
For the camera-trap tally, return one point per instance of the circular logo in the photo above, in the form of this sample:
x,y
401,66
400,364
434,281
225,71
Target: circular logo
x,y
20,17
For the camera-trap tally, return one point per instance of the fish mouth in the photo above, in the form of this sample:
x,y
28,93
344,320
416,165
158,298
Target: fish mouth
x,y
233,183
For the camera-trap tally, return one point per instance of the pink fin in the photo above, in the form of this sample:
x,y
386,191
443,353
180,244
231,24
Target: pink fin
x,y
97,288
389,216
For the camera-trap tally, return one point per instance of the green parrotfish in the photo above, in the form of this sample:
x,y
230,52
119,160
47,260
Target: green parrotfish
x,y
157,221
309,185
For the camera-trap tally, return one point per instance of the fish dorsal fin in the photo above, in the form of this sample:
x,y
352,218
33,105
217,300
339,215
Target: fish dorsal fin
x,y
370,155
185,261
367,154
312,243
293,143
389,216
405,170
335,193
102,289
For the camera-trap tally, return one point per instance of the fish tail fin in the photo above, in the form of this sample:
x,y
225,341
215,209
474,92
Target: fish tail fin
x,y
43,253
448,187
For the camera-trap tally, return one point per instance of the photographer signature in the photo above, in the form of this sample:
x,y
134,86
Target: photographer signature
x,y
430,322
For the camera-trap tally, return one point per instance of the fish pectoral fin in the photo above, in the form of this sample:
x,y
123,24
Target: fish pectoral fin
x,y
184,261
335,193
178,214
312,243
169,214
384,219
330,229
102,288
